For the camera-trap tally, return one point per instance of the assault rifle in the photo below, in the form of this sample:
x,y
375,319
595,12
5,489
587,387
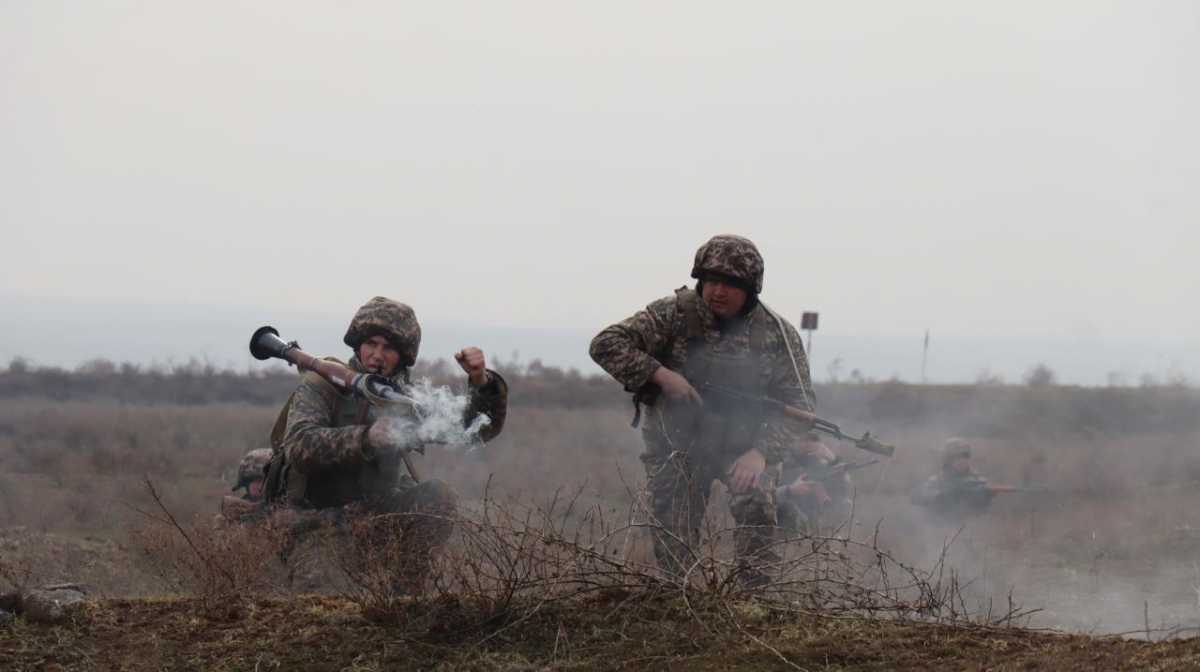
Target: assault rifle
x,y
379,391
822,475
834,470
726,397
996,489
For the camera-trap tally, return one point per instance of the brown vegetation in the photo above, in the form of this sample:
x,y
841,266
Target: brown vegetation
x,y
1111,548
330,633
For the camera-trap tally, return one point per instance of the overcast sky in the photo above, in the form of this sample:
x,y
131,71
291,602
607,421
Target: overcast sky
x,y
1020,172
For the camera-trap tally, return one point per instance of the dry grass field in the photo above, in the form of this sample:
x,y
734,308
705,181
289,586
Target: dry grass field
x,y
1113,546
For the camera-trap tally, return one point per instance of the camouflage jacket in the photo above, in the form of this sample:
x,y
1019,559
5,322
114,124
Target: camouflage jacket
x,y
798,462
327,432
633,349
950,494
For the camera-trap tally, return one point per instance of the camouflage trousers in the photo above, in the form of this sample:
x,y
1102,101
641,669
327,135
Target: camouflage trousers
x,y
397,532
678,487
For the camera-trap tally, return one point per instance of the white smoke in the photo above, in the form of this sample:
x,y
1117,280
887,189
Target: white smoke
x,y
436,418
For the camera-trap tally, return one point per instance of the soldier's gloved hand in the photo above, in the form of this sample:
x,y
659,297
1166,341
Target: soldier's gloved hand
x,y
389,436
675,386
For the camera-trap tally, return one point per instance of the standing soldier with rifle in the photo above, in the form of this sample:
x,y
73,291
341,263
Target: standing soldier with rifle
x,y
716,334
336,454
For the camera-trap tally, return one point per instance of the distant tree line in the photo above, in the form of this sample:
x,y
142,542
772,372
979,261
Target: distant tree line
x,y
198,382
986,407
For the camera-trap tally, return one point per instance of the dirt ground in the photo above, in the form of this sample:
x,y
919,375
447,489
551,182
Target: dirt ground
x,y
328,633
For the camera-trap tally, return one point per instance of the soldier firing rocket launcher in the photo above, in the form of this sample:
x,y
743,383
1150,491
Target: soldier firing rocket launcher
x,y
266,343
725,396
379,391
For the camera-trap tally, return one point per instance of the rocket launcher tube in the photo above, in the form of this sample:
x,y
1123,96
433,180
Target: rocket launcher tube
x,y
266,343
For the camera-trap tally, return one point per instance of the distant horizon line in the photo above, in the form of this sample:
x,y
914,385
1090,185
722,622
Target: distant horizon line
x,y
194,365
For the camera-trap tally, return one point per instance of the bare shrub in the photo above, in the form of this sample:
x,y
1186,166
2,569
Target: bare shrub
x,y
511,561
221,565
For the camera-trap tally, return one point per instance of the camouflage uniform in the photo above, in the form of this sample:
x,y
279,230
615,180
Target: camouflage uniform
x,y
252,471
249,507
688,446
802,514
330,464
952,494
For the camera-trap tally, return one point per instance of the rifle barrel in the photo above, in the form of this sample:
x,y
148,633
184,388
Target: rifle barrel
x,y
865,442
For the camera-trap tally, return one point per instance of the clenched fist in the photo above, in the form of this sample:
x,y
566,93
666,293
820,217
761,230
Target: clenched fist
x,y
472,361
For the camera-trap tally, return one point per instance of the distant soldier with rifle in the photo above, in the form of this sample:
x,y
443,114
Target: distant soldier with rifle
x,y
815,487
337,455
671,355
959,491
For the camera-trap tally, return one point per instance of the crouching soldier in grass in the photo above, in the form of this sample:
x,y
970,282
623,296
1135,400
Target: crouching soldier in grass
x,y
957,491
815,488
716,333
336,460
251,474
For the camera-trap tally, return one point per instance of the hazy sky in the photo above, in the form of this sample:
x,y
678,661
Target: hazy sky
x,y
989,171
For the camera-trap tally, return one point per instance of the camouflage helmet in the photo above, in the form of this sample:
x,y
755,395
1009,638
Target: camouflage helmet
x,y
252,467
955,448
393,320
733,256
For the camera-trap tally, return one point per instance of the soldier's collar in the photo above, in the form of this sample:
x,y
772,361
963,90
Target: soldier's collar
x,y
715,325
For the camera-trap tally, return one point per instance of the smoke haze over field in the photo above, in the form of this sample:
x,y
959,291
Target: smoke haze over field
x,y
1017,178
